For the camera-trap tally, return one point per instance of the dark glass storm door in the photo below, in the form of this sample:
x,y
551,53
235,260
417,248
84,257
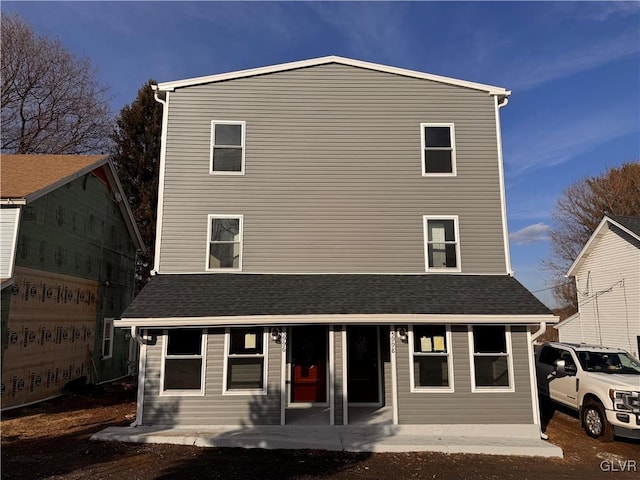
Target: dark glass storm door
x,y
363,365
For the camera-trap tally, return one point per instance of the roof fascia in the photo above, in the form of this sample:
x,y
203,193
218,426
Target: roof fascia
x,y
359,319
592,242
63,181
490,89
125,208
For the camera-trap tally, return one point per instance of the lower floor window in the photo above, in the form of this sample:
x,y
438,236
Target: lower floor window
x,y
183,360
245,359
491,356
430,357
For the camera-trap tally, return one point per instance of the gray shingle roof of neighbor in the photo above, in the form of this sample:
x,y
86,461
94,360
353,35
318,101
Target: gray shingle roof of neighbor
x,y
213,295
632,223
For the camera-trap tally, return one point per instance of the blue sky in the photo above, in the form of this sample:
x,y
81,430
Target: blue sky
x,y
573,67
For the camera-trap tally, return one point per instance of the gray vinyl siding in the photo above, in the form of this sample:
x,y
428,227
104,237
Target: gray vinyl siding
x,y
463,406
333,179
213,408
339,372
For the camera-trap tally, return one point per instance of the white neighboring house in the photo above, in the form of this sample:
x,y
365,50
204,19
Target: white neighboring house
x,y
607,273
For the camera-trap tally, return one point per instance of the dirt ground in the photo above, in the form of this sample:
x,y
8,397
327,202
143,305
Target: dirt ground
x,y
50,441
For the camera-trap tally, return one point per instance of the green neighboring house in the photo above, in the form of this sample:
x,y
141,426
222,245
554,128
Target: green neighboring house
x,y
68,246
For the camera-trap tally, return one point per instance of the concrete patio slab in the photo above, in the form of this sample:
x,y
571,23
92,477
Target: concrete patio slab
x,y
371,438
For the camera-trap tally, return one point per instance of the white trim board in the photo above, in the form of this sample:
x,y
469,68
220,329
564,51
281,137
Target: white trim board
x,y
362,319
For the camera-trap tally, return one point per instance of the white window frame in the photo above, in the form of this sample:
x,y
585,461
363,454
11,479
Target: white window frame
x,y
452,148
417,388
508,354
213,145
109,354
210,218
425,222
265,368
203,356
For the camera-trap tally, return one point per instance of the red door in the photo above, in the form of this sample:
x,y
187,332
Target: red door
x,y
309,347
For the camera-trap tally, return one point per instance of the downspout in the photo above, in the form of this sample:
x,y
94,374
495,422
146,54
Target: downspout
x,y
541,330
163,148
534,378
136,336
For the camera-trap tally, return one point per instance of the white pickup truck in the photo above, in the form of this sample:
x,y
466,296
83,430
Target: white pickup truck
x,y
602,384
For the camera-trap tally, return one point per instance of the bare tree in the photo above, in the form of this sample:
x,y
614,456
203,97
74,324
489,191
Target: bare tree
x,y
51,101
579,211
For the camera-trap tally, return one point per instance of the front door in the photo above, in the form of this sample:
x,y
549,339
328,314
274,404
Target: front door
x,y
309,346
363,373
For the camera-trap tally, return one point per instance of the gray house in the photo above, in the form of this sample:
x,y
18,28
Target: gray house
x,y
332,250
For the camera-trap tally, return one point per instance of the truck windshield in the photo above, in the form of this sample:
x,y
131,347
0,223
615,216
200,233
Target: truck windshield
x,y
609,362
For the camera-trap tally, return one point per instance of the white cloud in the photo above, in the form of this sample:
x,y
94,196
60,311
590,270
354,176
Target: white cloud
x,y
570,61
538,232
561,138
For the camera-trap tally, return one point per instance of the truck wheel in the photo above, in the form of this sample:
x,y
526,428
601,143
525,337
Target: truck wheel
x,y
595,422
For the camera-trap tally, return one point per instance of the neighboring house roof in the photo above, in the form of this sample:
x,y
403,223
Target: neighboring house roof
x,y
25,178
31,176
490,89
218,297
628,225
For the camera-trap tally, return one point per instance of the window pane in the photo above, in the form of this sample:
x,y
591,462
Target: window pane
x,y
430,371
441,231
429,338
224,255
437,161
245,373
184,342
246,341
106,348
437,137
227,159
549,355
225,230
491,371
228,134
182,374
442,255
489,339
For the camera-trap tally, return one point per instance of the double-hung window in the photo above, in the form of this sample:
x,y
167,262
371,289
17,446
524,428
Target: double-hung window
x,y
441,243
431,366
227,147
224,242
492,365
183,362
245,361
107,338
438,149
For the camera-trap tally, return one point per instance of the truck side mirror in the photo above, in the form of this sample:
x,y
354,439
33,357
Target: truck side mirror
x,y
563,369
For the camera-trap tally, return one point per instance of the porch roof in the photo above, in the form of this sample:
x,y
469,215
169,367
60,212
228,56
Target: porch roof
x,y
226,298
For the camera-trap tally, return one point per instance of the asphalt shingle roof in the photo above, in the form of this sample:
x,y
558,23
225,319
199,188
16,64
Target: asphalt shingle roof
x,y
26,174
205,295
632,223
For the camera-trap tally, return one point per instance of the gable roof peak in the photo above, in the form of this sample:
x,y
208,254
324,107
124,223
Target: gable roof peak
x,y
490,89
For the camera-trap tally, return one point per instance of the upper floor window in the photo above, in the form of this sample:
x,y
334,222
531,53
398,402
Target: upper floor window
x,y
442,245
438,149
491,358
227,147
225,242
